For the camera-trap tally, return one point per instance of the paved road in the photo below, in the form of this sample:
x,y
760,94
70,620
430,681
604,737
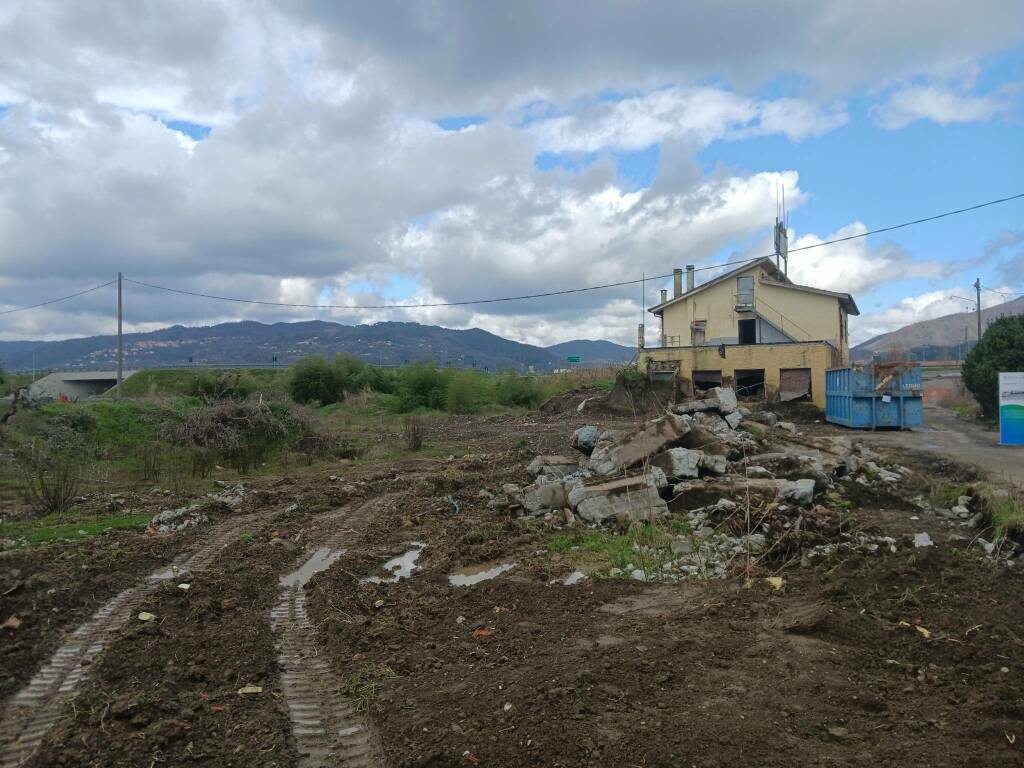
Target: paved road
x,y
965,441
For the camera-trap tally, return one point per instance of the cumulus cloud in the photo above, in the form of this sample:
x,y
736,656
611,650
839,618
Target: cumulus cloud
x,y
940,104
857,266
698,115
914,309
324,169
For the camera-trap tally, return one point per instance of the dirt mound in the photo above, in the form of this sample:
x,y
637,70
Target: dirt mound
x,y
628,398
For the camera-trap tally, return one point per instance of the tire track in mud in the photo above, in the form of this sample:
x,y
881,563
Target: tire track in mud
x,y
33,710
328,729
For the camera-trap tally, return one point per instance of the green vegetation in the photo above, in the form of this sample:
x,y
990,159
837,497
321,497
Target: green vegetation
x,y
1007,515
945,495
12,382
180,382
53,527
644,546
1000,349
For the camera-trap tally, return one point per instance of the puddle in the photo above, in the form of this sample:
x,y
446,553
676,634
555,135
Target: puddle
x,y
573,578
474,574
320,561
399,567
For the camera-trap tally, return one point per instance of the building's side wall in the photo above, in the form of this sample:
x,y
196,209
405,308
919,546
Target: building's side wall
x,y
771,358
815,316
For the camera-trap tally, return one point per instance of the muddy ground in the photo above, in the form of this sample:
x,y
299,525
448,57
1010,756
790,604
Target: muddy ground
x,y
893,659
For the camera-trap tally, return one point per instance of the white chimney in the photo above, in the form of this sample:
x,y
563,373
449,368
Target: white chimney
x,y
677,283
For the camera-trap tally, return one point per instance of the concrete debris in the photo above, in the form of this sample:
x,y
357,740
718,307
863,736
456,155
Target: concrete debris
x,y
177,520
679,463
733,419
716,465
797,491
553,466
786,425
758,472
764,417
585,438
721,399
630,498
634,448
542,497
922,540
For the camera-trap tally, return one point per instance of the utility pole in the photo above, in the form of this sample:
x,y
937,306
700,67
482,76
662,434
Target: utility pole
x,y
977,289
120,341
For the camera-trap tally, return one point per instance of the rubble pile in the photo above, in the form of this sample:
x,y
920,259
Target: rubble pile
x,y
690,457
732,492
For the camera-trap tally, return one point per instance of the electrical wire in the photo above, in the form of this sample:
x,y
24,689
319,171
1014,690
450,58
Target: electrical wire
x,y
1000,293
523,297
571,290
55,301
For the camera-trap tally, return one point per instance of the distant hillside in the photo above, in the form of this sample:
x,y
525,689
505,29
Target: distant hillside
x,y
593,352
938,339
254,343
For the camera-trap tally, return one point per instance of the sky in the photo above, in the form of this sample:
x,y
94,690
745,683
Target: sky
x,y
405,152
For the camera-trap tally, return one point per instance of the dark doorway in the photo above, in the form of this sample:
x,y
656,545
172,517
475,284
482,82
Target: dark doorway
x,y
749,384
703,380
748,331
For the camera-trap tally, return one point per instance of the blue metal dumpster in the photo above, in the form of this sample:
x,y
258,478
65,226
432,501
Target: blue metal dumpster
x,y
875,396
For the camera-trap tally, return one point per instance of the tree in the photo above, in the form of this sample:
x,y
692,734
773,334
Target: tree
x,y
1001,349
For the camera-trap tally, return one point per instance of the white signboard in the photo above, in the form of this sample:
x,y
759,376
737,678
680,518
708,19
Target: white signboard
x,y
1011,408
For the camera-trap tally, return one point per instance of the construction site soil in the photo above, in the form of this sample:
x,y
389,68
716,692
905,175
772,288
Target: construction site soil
x,y
912,657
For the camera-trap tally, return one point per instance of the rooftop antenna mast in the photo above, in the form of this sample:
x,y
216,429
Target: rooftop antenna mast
x,y
781,234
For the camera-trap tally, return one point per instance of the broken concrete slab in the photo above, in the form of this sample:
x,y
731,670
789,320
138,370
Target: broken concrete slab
x,y
679,463
797,491
733,419
765,417
721,399
632,498
543,497
633,448
553,465
788,426
713,463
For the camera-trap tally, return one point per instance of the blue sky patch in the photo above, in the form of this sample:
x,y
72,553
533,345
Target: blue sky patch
x,y
458,122
194,131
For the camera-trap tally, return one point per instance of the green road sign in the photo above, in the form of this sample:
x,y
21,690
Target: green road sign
x,y
573,359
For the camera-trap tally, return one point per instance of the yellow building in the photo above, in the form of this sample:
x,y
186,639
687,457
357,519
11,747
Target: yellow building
x,y
751,328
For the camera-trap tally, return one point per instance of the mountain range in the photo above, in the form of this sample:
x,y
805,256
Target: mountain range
x,y
938,339
253,343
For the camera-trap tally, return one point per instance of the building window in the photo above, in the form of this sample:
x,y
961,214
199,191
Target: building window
x,y
749,384
745,291
748,331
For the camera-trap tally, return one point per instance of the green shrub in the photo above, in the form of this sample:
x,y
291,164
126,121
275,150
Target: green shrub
x,y
314,380
1000,349
468,392
421,387
518,391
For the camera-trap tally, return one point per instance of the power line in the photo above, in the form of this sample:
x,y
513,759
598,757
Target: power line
x,y
55,301
525,296
1000,293
570,290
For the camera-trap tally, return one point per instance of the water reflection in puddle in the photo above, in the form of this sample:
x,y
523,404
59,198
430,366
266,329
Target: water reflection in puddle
x,y
474,574
400,567
320,561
